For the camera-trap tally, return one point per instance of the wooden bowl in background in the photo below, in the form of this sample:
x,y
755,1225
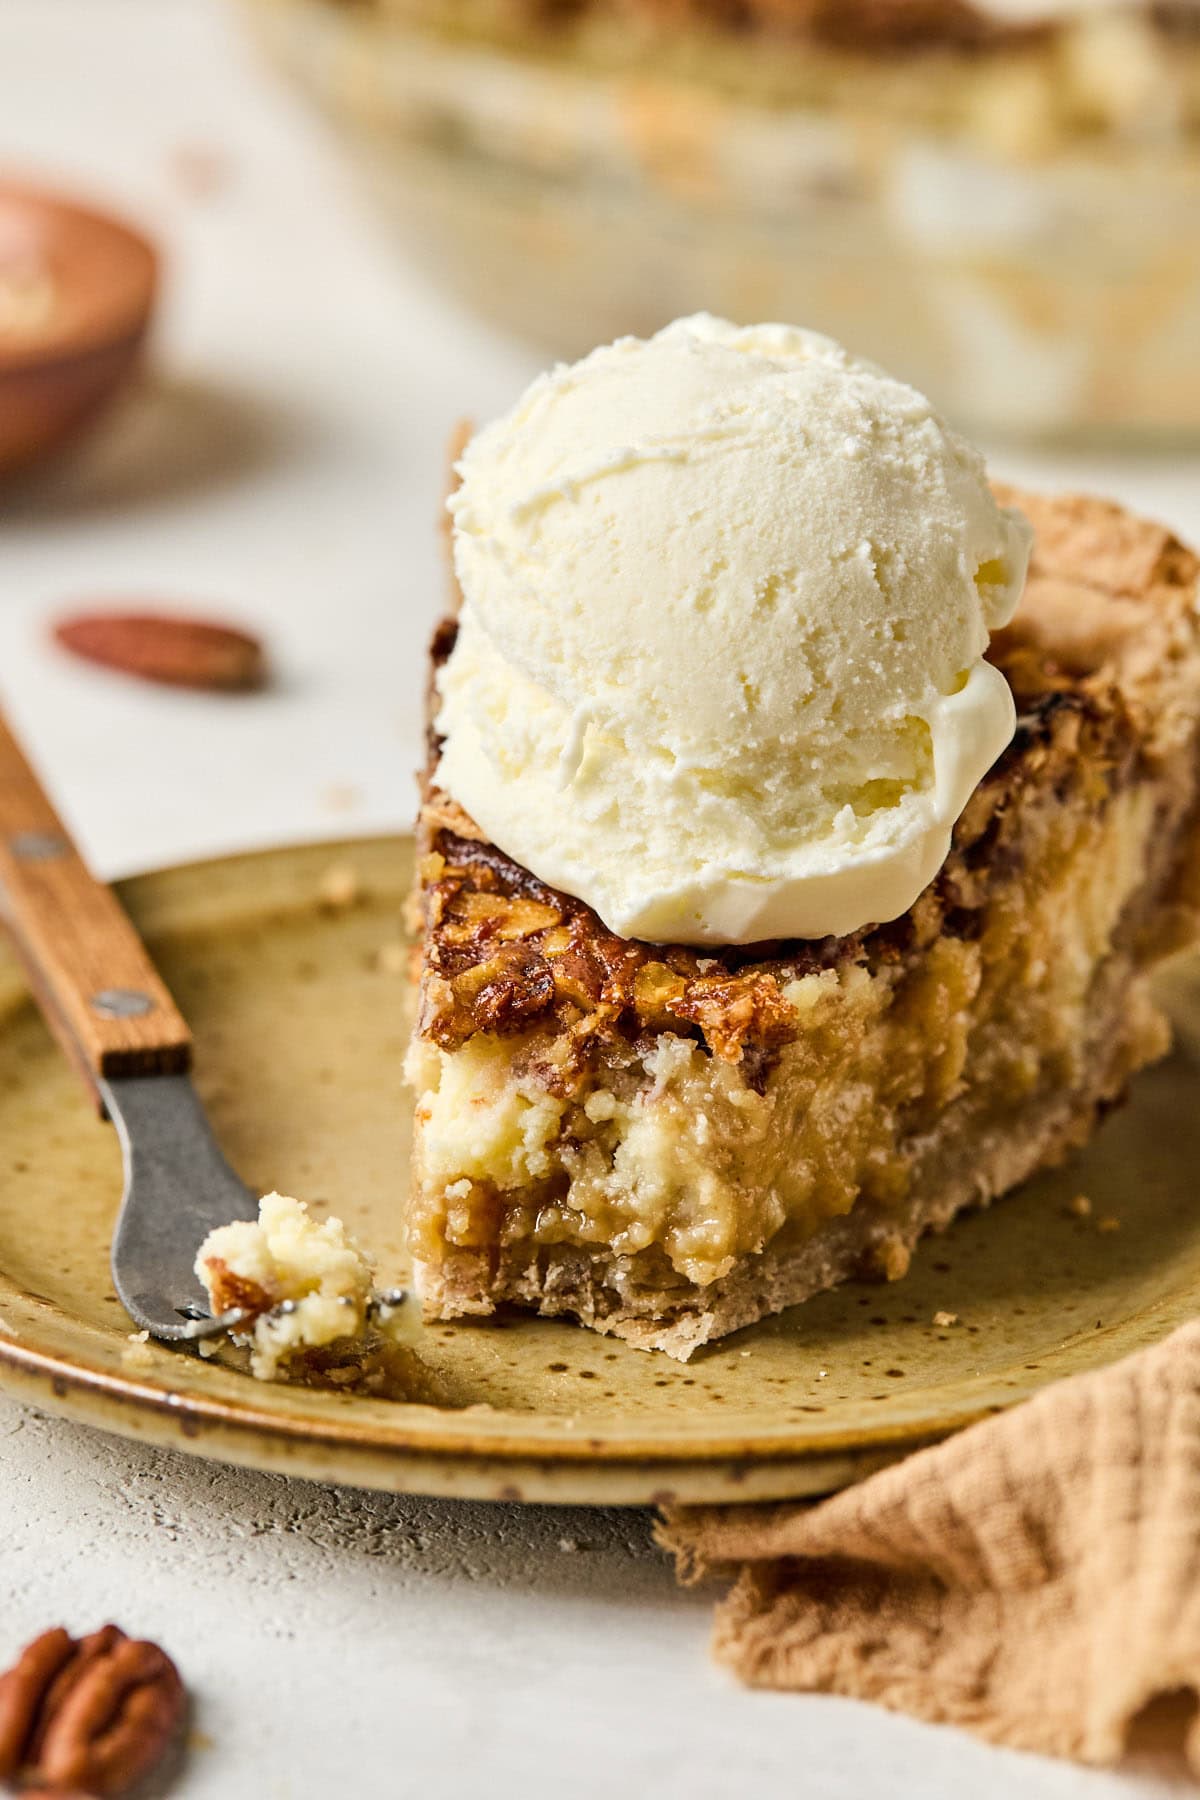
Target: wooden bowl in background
x,y
77,292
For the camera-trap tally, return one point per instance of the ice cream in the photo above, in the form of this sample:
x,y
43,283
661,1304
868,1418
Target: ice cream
x,y
719,670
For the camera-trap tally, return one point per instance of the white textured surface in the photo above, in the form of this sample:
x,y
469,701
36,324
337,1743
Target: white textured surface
x,y
286,466
404,1646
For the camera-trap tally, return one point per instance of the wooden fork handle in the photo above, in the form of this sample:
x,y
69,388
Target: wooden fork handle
x,y
89,970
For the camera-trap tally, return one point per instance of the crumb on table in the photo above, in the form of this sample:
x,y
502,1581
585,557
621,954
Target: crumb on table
x,y
341,797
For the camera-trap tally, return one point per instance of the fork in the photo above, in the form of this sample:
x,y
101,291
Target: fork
x,y
111,1013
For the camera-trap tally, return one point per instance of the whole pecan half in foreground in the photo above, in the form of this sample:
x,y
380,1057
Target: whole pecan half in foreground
x,y
166,647
92,1714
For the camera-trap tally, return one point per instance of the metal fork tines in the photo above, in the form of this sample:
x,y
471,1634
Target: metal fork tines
x,y
178,1188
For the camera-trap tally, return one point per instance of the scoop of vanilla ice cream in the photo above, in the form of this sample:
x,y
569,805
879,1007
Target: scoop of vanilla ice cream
x,y
719,671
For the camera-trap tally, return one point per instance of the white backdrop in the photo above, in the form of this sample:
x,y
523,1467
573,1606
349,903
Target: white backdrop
x,y
284,465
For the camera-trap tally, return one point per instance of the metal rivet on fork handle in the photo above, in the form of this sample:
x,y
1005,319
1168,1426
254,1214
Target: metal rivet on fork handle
x,y
38,846
121,1003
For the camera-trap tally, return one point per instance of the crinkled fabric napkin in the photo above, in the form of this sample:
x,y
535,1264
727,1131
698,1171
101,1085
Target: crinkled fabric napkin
x,y
1035,1579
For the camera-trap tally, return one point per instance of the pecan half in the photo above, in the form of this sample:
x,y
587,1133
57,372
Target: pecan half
x,y
94,1714
735,1010
228,1290
164,647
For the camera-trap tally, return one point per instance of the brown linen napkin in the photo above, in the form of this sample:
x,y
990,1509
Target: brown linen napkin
x,y
1035,1579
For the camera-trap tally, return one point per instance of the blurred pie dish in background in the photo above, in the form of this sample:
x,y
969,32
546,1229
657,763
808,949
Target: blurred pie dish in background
x,y
998,199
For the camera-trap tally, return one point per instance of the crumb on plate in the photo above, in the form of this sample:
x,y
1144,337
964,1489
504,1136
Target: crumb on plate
x,y
137,1353
339,887
393,958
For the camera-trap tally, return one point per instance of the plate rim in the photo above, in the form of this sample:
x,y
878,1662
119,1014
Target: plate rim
x,y
216,1431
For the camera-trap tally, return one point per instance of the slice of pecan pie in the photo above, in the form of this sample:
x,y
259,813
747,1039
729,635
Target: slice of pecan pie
x,y
668,1145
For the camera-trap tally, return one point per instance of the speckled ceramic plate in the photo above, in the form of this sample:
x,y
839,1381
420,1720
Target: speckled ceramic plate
x,y
300,1022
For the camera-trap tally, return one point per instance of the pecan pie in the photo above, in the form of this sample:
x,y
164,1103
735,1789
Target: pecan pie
x,y
667,1144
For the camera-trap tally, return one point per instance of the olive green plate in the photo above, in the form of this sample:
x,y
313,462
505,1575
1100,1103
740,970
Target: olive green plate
x,y
301,1035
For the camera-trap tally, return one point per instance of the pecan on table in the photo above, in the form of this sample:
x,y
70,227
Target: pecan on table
x,y
167,648
92,1715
